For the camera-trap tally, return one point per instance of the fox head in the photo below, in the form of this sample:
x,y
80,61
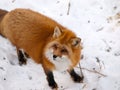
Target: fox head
x,y
64,49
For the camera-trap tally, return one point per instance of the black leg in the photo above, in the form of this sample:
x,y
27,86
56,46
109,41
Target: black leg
x,y
21,57
75,76
51,81
27,56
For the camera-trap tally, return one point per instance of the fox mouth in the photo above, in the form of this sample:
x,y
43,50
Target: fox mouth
x,y
61,63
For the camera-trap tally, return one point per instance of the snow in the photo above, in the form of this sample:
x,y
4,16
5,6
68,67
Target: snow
x,y
90,20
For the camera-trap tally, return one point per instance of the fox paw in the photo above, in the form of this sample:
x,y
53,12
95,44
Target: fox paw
x,y
76,77
53,86
23,62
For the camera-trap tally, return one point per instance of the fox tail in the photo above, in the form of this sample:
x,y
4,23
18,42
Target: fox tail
x,y
2,14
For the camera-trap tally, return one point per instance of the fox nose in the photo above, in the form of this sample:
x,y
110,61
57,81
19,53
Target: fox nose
x,y
54,56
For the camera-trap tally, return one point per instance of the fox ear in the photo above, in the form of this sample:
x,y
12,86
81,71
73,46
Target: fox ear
x,y
57,32
76,42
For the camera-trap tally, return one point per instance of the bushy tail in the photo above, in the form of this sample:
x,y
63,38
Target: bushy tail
x,y
2,14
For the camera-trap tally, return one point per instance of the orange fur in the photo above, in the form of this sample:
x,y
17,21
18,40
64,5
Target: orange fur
x,y
32,32
2,14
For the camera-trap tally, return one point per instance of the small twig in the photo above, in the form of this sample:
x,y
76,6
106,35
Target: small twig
x,y
98,61
105,42
95,72
84,86
100,29
80,70
103,64
107,45
68,11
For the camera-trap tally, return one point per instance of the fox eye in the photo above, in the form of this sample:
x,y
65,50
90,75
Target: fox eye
x,y
76,43
64,51
55,46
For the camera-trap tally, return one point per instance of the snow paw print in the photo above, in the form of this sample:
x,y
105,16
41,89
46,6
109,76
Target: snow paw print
x,y
3,68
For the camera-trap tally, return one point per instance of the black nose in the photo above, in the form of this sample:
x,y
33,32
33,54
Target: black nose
x,y
54,56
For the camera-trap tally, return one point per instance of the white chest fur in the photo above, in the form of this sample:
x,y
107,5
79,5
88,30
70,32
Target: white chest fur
x,y
61,63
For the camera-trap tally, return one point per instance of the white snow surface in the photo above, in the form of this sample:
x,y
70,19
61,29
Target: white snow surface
x,y
100,34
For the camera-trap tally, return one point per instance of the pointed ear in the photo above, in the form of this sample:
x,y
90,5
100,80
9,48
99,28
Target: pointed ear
x,y
76,42
57,32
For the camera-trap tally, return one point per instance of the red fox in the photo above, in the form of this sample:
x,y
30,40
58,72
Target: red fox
x,y
44,40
